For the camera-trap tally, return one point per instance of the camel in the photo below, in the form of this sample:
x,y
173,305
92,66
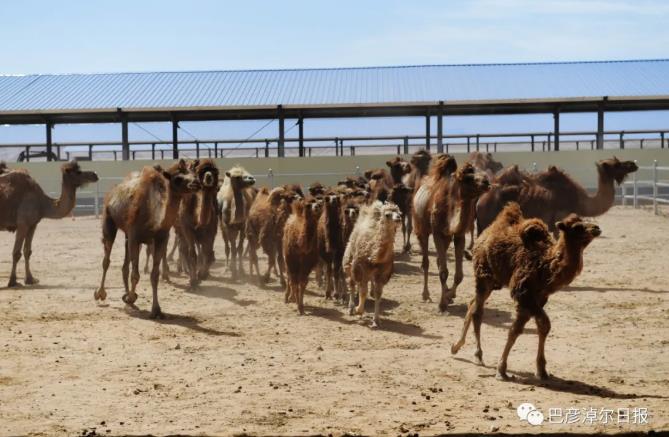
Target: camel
x,y
369,255
330,244
443,208
483,162
197,222
520,254
401,195
420,163
300,248
23,204
552,195
144,206
234,202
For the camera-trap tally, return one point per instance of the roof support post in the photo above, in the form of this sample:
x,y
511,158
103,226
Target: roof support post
x,y
282,133
427,129
175,139
600,127
49,127
556,129
440,128
300,126
125,146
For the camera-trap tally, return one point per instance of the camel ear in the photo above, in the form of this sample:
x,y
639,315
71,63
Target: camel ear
x,y
167,175
561,226
227,173
368,174
182,164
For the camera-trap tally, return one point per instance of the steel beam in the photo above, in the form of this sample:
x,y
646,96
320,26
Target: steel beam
x,y
175,139
427,130
125,145
556,129
440,128
49,127
300,126
282,133
600,127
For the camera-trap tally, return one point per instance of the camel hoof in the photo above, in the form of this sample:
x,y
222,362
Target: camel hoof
x,y
351,311
468,255
502,376
129,298
407,248
427,298
14,284
455,348
100,294
376,324
156,313
544,376
31,281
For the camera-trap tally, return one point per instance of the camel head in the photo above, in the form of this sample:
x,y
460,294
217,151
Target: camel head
x,y
472,183
331,199
316,189
493,165
616,169
444,165
386,212
351,210
421,160
578,232
311,206
181,179
206,172
398,168
240,178
72,175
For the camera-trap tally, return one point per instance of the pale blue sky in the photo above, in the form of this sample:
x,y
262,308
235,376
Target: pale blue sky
x,y
91,36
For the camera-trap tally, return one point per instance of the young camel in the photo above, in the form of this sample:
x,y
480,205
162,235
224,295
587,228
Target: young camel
x,y
234,202
520,254
300,248
197,222
420,164
552,195
370,254
145,207
443,208
330,244
23,204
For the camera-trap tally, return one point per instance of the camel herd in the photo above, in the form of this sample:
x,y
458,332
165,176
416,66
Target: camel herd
x,y
531,236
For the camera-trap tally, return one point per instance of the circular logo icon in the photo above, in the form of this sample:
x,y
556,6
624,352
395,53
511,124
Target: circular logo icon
x,y
524,409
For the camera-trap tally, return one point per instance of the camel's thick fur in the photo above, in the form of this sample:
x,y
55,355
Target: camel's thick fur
x,y
331,242
198,222
369,254
520,254
483,162
552,195
23,204
145,206
234,202
442,207
300,248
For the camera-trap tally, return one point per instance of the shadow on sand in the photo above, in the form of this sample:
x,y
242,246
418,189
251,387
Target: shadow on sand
x,y
607,289
491,316
189,322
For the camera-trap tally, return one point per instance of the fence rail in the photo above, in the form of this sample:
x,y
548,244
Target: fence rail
x,y
347,145
655,183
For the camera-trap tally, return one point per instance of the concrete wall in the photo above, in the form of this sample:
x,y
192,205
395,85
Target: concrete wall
x,y
328,169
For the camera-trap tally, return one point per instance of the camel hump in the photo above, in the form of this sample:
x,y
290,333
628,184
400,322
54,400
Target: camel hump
x,y
511,214
534,231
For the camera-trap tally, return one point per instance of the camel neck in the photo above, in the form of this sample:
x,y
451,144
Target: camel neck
x,y
208,199
567,263
602,201
171,209
463,211
59,208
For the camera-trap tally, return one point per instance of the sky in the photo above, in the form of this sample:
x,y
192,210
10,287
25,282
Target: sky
x,y
120,36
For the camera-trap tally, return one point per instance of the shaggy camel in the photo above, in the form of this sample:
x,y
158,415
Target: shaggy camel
x,y
520,254
234,202
369,255
401,195
552,195
443,208
197,222
300,248
264,228
420,163
145,207
23,204
330,243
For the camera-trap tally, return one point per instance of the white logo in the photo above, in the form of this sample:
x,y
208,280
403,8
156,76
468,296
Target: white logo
x,y
529,413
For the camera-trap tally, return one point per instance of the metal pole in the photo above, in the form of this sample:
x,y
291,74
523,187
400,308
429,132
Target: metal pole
x,y
600,127
440,129
266,148
125,146
548,148
532,139
215,150
300,126
661,140
49,126
636,189
556,123
90,152
641,143
655,186
153,151
478,141
352,151
282,132
175,139
622,141
468,145
427,129
197,149
58,151
406,145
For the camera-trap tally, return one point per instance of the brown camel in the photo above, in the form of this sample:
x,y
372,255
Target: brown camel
x,y
483,162
552,195
443,208
420,164
23,204
234,202
198,222
520,254
145,206
401,195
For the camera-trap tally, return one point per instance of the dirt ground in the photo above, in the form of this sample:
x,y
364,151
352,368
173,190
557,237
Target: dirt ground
x,y
232,358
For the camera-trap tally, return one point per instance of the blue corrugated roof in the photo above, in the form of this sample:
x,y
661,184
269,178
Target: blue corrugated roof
x,y
335,86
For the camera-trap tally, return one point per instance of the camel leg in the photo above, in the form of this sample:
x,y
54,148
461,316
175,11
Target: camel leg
x,y
351,296
441,243
232,237
301,286
425,265
286,297
459,246
407,245
149,250
362,297
27,251
125,270
240,250
475,313
109,230
543,327
271,263
170,257
159,251
377,290
133,253
337,274
21,233
470,248
522,316
318,273
282,265
328,280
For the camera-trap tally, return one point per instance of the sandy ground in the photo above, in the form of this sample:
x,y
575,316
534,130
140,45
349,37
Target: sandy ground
x,y
233,358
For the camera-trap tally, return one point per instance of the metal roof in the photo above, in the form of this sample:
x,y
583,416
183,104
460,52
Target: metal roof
x,y
373,87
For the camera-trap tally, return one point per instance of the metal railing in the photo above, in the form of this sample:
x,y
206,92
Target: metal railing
x,y
655,184
352,145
